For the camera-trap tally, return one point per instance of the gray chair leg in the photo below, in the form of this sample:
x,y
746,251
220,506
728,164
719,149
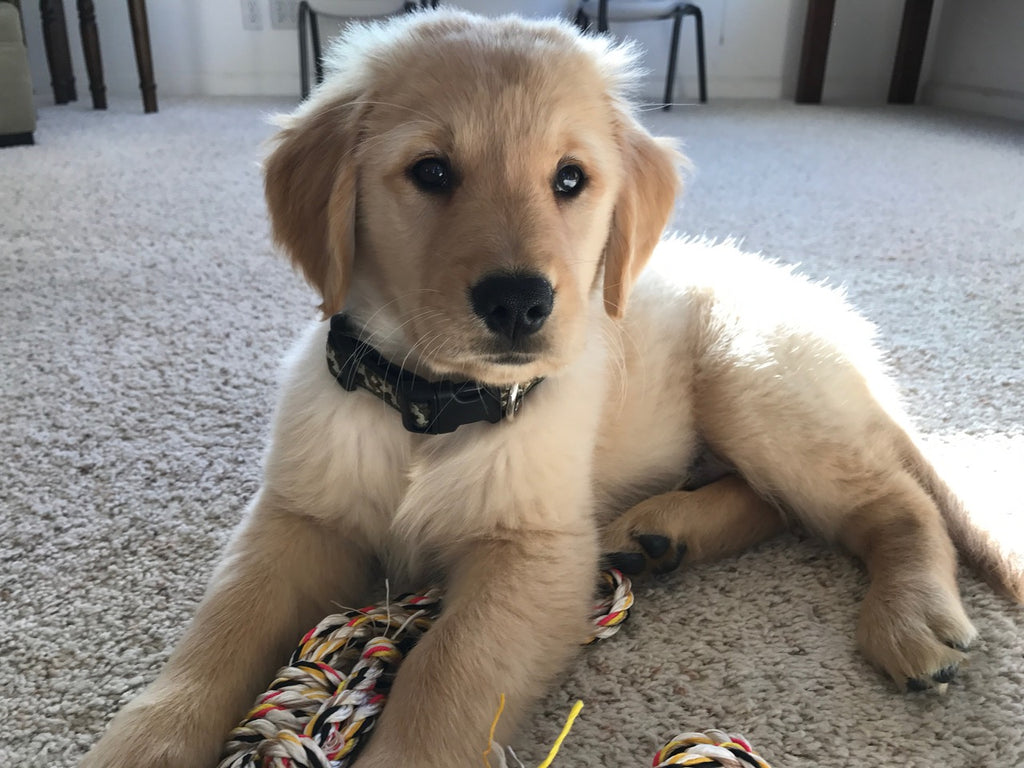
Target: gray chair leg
x,y
309,25
698,17
679,12
581,20
673,56
318,56
303,50
602,16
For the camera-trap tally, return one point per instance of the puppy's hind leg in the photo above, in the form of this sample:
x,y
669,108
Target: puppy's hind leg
x,y
912,623
715,521
815,438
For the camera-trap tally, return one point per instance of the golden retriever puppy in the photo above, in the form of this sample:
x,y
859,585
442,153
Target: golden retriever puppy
x,y
500,391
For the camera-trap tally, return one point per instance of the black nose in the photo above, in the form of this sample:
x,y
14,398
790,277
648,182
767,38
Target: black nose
x,y
513,305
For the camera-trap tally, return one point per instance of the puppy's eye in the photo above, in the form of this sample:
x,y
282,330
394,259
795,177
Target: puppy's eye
x,y
569,181
431,174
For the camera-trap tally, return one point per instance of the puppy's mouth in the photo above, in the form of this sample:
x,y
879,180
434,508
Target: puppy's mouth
x,y
490,359
495,367
511,358
517,351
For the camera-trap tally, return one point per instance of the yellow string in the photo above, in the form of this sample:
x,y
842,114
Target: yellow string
x,y
494,727
573,714
561,737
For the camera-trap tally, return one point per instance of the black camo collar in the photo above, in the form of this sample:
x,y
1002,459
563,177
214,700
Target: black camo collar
x,y
427,407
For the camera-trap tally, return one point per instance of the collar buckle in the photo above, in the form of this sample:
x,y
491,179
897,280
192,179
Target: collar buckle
x,y
512,400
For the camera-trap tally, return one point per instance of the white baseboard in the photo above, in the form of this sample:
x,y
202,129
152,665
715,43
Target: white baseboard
x,y
686,87
988,101
264,84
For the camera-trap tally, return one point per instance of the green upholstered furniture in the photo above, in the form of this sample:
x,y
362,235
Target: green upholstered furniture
x,y
17,112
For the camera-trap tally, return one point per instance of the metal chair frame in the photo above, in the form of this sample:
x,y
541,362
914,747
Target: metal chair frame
x,y
309,20
677,14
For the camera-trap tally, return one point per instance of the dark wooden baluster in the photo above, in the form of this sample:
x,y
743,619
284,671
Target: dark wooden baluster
x,y
58,54
906,69
143,54
814,52
91,49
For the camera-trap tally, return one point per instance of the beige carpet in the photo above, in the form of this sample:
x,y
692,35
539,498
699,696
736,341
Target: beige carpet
x,y
137,380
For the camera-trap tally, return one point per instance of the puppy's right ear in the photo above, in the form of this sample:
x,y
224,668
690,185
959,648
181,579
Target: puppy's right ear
x,y
310,186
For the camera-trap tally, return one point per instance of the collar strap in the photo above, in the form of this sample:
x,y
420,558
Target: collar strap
x,y
427,407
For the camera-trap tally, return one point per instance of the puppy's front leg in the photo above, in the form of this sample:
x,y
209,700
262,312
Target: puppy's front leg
x,y
277,579
515,612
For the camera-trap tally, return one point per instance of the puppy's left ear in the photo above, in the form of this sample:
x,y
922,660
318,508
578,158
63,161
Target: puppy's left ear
x,y
645,202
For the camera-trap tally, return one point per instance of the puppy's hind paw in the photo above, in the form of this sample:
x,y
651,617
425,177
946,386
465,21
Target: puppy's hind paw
x,y
939,680
921,646
715,521
656,554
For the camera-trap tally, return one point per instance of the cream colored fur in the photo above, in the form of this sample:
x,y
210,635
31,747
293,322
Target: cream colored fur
x,y
643,369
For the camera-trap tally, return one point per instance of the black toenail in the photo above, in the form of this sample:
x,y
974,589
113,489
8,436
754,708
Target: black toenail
x,y
667,566
680,553
945,675
630,563
962,647
917,685
654,545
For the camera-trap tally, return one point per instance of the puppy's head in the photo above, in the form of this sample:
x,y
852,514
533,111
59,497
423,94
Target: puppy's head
x,y
467,185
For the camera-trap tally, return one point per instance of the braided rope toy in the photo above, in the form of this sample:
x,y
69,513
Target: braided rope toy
x,y
323,704
334,686
714,748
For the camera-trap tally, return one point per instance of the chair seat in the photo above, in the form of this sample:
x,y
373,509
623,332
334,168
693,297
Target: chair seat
x,y
635,10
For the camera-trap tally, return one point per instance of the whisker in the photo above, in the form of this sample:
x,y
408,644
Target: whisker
x,y
376,337
617,358
651,107
369,343
426,118
405,360
369,143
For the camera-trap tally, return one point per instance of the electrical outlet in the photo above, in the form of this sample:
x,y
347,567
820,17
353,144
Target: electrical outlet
x,y
284,14
252,15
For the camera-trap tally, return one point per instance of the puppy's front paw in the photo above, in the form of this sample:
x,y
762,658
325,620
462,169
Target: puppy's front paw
x,y
155,732
917,635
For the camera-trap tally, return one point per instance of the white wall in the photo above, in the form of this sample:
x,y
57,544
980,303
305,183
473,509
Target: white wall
x,y
746,45
174,29
753,49
861,52
200,47
975,57
978,61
